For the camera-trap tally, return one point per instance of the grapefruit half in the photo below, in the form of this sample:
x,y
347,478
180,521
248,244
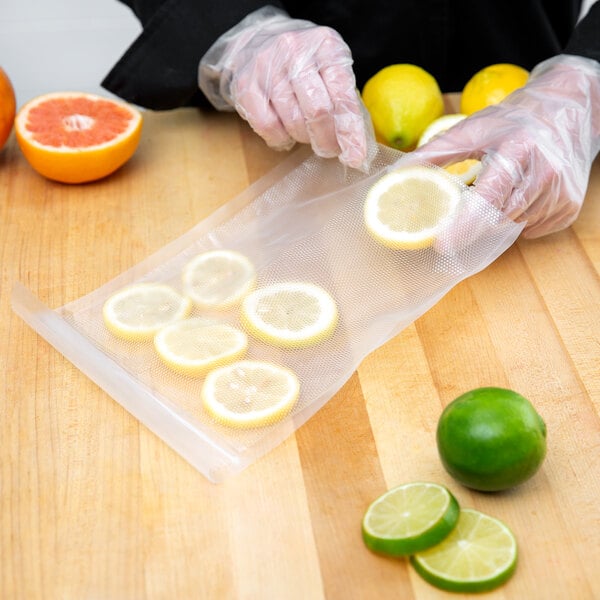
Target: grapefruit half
x,y
76,137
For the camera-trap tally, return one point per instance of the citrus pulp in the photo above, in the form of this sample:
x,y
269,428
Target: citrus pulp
x,y
491,439
74,137
402,99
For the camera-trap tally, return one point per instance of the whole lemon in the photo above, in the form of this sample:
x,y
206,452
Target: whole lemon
x,y
491,85
491,439
402,100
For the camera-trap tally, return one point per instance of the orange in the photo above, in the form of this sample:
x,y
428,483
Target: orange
x,y
75,137
7,107
491,439
491,85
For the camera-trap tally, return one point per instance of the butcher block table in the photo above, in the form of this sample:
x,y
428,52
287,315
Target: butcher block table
x,y
94,506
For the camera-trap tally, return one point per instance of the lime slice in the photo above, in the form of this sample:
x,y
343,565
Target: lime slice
x,y
408,208
218,279
409,518
194,346
479,555
139,311
290,314
250,393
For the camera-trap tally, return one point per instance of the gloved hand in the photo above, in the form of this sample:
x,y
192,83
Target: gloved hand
x,y
536,146
293,82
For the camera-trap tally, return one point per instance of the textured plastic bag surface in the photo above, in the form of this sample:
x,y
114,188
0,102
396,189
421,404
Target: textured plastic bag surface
x,y
301,222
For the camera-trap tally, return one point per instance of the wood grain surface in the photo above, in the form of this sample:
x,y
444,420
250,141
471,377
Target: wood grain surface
x,y
94,506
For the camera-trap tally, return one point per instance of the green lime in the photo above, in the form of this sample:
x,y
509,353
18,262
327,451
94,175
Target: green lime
x,y
491,439
409,518
478,555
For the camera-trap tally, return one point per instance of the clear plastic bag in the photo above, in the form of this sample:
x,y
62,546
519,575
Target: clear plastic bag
x,y
303,221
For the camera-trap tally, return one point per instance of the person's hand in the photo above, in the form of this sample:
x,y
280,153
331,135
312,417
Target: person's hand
x,y
293,82
537,146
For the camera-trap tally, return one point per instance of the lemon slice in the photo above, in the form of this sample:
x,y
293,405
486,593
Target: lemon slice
x,y
408,208
137,312
409,518
290,314
440,125
250,393
218,279
466,170
478,555
194,346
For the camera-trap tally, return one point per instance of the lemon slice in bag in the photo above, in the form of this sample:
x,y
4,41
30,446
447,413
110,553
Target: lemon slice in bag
x,y
250,393
409,207
218,279
290,314
194,346
137,312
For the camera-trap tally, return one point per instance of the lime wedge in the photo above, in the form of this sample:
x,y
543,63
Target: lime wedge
x,y
409,518
479,555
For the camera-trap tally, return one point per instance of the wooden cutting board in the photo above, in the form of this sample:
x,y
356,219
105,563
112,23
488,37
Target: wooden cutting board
x,y
94,506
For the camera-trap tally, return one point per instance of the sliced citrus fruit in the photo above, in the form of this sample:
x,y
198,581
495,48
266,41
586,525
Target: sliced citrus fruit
x,y
194,346
409,518
250,393
409,207
478,555
439,126
218,279
75,137
290,314
466,170
138,312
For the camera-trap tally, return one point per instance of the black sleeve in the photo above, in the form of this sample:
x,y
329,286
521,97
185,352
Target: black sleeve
x,y
585,40
160,69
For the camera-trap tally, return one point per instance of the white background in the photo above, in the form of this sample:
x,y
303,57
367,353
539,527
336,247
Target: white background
x,y
58,45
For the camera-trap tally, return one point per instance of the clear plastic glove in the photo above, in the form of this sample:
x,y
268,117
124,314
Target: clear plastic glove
x,y
293,82
537,146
